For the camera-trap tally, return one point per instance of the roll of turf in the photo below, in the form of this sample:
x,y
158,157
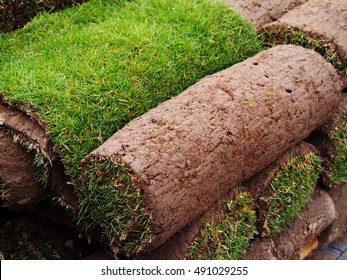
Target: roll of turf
x,y
317,24
167,167
69,80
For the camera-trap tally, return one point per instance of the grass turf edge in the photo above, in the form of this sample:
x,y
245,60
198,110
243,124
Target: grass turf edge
x,y
278,35
226,234
337,170
290,190
111,199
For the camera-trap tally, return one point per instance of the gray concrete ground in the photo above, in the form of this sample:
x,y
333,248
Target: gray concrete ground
x,y
336,250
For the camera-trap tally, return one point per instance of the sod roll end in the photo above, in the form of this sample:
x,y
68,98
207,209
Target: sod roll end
x,y
168,166
317,24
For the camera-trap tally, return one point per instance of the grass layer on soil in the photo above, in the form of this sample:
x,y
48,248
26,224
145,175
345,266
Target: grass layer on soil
x,y
87,71
290,190
227,234
280,35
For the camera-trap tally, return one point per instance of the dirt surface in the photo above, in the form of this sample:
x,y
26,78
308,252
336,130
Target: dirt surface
x,y
22,190
31,135
15,14
316,217
192,149
260,12
339,226
325,18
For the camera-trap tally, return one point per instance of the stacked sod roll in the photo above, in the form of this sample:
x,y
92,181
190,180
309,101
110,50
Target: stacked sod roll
x,y
69,80
170,165
314,218
317,24
114,77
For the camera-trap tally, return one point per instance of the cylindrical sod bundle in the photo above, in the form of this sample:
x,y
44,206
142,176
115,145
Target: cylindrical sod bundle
x,y
167,167
314,219
317,24
260,12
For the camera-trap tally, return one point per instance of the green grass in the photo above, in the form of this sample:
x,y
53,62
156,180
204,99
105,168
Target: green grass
x,y
290,190
278,35
226,235
113,203
88,71
337,169
16,244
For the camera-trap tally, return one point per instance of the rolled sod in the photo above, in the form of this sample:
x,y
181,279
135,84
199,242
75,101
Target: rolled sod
x,y
317,24
260,12
28,161
284,187
70,80
167,167
273,197
223,232
314,219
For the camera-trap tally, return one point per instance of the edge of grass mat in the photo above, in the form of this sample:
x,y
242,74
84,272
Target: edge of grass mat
x,y
278,35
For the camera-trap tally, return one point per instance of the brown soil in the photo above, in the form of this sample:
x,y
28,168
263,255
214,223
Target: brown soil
x,y
325,18
15,14
29,135
339,226
17,172
260,12
192,149
316,217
